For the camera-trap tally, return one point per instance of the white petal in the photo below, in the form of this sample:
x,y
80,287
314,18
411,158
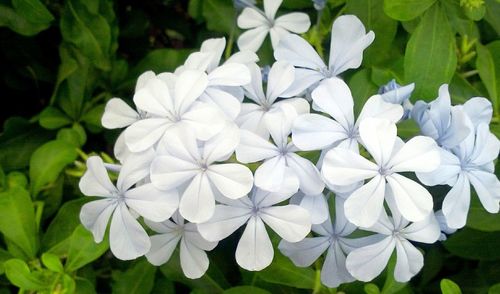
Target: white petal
x,y
254,90
304,79
316,132
127,238
162,247
152,203
487,188
218,97
118,114
290,222
95,216
367,262
479,110
345,167
231,179
253,148
250,18
277,33
487,146
270,7
379,137
419,154
456,203
255,250
300,105
317,207
298,52
334,271
230,74
168,226
426,231
154,98
188,87
95,181
135,169
197,203
364,206
215,46
273,175
225,221
263,198
280,78
279,123
309,177
143,134
194,261
221,146
251,118
252,39
409,261
305,252
196,60
244,57
376,107
448,170
295,22
349,39
192,236
169,172
143,79
414,202
205,120
334,97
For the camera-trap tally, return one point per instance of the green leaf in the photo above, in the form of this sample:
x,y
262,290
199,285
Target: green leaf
x,y
408,129
17,220
52,262
475,13
488,65
11,19
480,219
430,59
138,279
283,272
406,9
92,118
461,90
370,12
33,11
19,274
4,256
159,60
492,12
18,141
48,161
83,250
195,9
75,135
473,244
392,286
371,288
245,290
449,287
362,88
219,15
52,118
84,286
495,289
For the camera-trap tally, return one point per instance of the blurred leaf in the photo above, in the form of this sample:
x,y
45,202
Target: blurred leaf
x,y
17,220
83,286
92,118
52,262
473,244
48,161
19,274
219,15
362,88
4,256
492,12
406,9
33,11
52,118
475,13
480,219
18,141
392,286
449,287
75,135
461,90
13,20
83,249
139,278
488,65
245,290
282,271
195,9
371,288
408,129
430,59
495,289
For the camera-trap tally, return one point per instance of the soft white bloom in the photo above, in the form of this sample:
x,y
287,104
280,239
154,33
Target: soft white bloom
x,y
282,169
280,78
255,251
171,103
349,39
332,237
224,81
316,205
392,156
443,225
260,23
367,262
194,260
127,238
469,163
333,96
191,166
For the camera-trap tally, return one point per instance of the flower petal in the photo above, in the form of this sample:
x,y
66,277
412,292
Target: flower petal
x,y
296,22
334,271
221,146
188,87
367,262
95,216
413,201
305,252
479,110
426,231
218,97
487,188
250,18
225,221
271,7
197,203
169,172
154,98
251,118
364,206
252,39
255,250
448,170
310,181
95,181
205,120
253,148
194,261
419,154
281,77
231,179
376,107
162,247
230,74
118,114
143,134
317,206
298,52
273,174
290,222
316,132
409,261
334,97
379,137
456,203
152,203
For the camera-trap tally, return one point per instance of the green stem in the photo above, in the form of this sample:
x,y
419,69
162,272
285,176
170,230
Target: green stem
x,y
38,205
470,73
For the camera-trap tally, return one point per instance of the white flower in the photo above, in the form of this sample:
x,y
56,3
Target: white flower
x,y
224,81
367,262
316,205
333,96
392,156
190,166
194,260
170,102
332,237
280,78
255,251
261,23
128,240
349,39
282,169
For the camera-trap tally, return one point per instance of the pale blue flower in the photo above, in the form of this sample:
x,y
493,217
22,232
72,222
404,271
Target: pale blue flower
x,y
319,4
394,93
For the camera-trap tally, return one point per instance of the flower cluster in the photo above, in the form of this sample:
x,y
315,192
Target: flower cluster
x,y
214,146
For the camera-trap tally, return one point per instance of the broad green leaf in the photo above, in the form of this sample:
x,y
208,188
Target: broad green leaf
x,y
406,9
283,272
246,290
371,288
371,13
408,129
92,118
475,13
362,88
449,287
52,118
430,59
33,10
296,4
13,20
138,279
75,135
461,90
219,15
195,9
19,274
480,219
48,161
82,249
488,65
52,262
4,256
18,141
391,286
17,179
473,244
84,286
17,220
492,12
